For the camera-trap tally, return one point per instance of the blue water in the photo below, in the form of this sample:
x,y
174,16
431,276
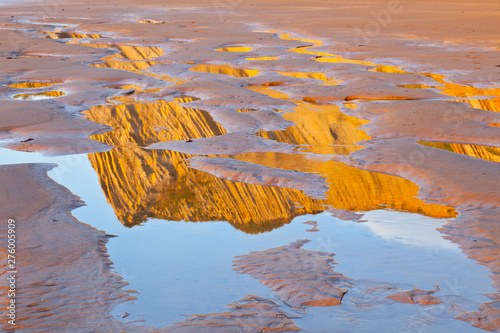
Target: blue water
x,y
23,2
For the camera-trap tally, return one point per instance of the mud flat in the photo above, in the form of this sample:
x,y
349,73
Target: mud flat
x,y
386,104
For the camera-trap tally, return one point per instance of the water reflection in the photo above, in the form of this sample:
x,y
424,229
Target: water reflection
x,y
235,49
407,229
389,69
311,75
224,69
203,253
142,184
263,58
321,129
488,104
145,184
320,56
131,58
32,85
36,86
70,35
39,96
485,152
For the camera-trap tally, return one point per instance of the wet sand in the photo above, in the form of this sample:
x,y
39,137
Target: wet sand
x,y
366,105
64,281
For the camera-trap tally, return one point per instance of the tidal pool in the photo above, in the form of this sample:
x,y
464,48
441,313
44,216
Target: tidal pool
x,y
182,268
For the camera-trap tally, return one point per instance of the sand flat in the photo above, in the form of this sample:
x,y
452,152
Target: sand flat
x,y
259,84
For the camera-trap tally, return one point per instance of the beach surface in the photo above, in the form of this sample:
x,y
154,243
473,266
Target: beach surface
x,y
260,115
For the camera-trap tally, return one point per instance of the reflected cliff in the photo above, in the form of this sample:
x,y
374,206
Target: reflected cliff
x,y
142,184
484,152
488,153
32,85
129,58
38,96
225,70
64,35
235,49
321,129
